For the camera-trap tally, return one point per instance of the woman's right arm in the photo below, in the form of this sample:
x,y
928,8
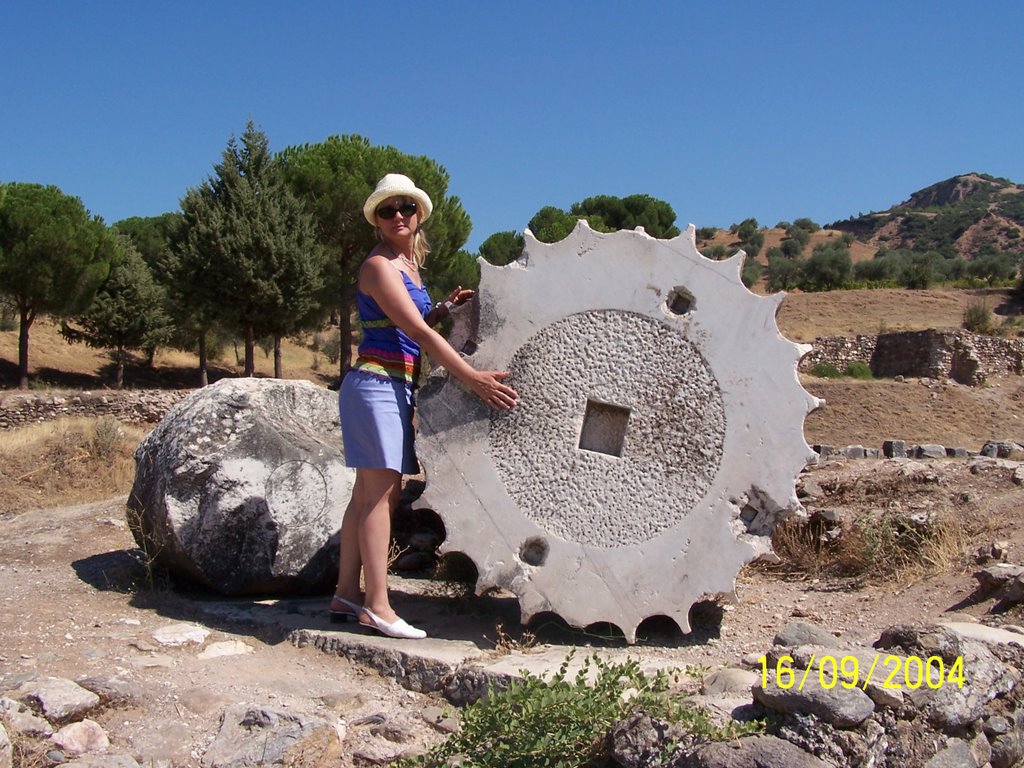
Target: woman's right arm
x,y
378,279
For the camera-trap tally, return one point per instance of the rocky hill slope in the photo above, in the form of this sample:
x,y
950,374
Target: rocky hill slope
x,y
964,216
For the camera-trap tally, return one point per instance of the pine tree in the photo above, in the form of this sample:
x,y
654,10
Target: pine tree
x,y
53,256
127,312
250,256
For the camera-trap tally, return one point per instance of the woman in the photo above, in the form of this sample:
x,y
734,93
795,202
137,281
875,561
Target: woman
x,y
376,398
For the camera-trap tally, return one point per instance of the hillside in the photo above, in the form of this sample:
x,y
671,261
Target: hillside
x,y
964,216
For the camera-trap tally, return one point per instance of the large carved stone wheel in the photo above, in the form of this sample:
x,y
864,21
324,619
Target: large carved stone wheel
x,y
657,441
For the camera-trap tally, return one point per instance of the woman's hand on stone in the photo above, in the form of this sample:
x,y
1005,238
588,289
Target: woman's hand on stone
x,y
489,388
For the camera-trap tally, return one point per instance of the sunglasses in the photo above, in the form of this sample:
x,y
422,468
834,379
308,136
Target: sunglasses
x,y
388,211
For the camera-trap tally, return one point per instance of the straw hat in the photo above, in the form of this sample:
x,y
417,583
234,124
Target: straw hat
x,y
396,185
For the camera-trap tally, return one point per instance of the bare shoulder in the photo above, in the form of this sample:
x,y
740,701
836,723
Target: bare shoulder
x,y
375,269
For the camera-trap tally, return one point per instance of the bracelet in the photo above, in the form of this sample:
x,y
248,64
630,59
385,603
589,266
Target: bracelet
x,y
446,304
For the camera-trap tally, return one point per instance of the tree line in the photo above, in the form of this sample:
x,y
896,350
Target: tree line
x,y
267,246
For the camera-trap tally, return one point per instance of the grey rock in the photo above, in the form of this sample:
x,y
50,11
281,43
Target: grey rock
x,y
852,451
895,449
827,663
641,741
242,486
752,752
998,576
1013,592
397,733
440,720
108,760
1002,449
113,691
729,680
1007,749
6,750
57,699
810,489
840,706
259,736
994,551
929,451
803,633
956,754
951,707
20,720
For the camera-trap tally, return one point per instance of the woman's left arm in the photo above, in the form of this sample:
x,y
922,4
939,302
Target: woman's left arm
x,y
442,309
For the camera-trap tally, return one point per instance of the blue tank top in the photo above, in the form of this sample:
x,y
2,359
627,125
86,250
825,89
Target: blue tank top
x,y
385,349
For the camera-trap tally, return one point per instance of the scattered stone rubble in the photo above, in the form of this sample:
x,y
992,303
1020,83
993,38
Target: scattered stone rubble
x,y
56,720
909,713
902,449
815,720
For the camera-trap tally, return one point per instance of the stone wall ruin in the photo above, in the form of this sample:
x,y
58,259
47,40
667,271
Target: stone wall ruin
x,y
965,357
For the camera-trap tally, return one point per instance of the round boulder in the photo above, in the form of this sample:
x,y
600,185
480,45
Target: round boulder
x,y
242,487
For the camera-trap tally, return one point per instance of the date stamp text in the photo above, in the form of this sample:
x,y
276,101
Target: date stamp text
x,y
891,672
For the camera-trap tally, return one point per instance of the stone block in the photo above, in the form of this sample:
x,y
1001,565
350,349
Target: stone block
x,y
895,449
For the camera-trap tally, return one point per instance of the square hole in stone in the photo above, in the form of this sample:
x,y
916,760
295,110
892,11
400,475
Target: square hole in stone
x,y
604,428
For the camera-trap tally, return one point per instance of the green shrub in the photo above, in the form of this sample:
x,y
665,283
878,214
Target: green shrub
x,y
563,722
329,343
978,318
751,272
858,369
8,316
825,371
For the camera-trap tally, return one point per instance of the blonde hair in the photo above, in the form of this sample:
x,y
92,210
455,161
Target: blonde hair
x,y
420,248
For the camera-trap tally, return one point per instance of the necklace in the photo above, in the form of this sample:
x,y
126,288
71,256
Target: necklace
x,y
408,262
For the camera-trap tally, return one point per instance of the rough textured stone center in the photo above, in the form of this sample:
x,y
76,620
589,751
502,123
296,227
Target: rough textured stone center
x,y
619,429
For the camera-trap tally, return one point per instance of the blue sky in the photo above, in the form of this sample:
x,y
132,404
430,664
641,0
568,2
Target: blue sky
x,y
726,110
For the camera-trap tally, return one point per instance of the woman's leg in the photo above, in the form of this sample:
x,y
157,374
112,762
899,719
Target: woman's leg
x,y
350,564
381,490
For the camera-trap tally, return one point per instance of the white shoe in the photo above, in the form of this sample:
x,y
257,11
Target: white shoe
x,y
397,628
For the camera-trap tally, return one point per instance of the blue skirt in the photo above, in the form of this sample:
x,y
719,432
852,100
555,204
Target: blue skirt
x,y
376,423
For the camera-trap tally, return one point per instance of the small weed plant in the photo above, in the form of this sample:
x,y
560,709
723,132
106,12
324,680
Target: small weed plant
x,y
825,371
858,369
504,643
562,722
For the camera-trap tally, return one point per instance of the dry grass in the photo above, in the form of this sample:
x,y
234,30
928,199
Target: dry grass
x,y
69,461
908,526
880,547
505,644
56,364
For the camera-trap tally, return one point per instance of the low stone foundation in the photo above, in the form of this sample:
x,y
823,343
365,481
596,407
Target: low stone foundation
x,y
965,357
132,406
